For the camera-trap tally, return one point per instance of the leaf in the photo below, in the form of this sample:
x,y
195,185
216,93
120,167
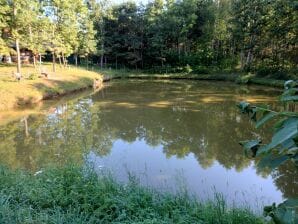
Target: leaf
x,y
284,213
266,117
290,91
289,98
250,146
288,130
243,106
272,161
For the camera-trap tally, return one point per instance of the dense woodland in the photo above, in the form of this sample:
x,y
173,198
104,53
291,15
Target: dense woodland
x,y
162,36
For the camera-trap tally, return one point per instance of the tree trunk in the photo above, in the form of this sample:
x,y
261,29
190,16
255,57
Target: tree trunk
x,y
60,63
34,61
63,60
87,62
40,62
40,59
101,61
102,55
26,126
18,56
242,60
249,59
76,60
54,62
17,46
116,63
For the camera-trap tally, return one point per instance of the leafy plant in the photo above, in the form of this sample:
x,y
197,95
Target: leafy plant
x,y
282,147
285,138
33,76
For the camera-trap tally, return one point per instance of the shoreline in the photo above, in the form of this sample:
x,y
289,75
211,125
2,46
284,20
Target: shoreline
x,y
67,82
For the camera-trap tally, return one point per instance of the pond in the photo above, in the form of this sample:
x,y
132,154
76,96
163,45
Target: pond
x,y
171,135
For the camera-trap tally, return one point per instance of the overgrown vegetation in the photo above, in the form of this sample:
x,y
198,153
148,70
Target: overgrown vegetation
x,y
282,148
74,195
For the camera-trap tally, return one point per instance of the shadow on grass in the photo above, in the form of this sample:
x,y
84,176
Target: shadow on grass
x,y
53,88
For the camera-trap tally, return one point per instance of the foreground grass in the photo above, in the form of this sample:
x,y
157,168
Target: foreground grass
x,y
73,195
32,89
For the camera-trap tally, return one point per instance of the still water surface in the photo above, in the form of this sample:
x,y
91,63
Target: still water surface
x,y
170,134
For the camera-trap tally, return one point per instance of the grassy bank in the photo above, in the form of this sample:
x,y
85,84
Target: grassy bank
x,y
69,195
31,88
232,77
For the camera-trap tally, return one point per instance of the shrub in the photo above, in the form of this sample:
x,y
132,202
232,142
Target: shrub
x,y
33,76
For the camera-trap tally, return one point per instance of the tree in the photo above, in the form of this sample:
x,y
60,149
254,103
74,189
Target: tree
x,y
86,34
19,18
65,17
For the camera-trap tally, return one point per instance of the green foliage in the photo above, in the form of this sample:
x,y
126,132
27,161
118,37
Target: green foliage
x,y
286,212
251,35
33,76
222,34
244,79
283,146
74,195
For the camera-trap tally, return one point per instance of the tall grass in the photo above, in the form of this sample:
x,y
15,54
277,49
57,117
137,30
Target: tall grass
x,y
73,195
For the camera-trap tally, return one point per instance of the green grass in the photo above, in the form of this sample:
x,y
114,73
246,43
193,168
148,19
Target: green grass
x,y
32,88
240,78
73,195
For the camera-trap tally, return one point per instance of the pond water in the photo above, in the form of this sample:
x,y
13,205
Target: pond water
x,y
172,135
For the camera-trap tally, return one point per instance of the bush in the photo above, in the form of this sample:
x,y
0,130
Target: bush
x,y
33,76
244,79
273,72
199,69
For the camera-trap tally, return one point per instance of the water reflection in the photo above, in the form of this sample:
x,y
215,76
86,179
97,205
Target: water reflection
x,y
156,128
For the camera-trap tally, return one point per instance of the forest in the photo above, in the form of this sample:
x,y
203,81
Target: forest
x,y
199,36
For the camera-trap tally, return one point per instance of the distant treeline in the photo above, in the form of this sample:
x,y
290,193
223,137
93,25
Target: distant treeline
x,y
181,35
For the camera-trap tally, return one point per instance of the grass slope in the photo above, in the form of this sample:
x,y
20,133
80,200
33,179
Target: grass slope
x,y
73,195
27,91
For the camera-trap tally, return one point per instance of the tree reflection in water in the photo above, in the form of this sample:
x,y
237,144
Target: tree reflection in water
x,y
183,118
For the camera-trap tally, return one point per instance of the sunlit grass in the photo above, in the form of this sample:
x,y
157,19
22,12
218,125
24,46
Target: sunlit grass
x,y
26,91
75,195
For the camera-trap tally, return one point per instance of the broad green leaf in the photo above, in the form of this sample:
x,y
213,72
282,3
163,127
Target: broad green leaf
x,y
288,130
284,213
250,146
266,117
289,98
291,91
289,114
272,161
243,106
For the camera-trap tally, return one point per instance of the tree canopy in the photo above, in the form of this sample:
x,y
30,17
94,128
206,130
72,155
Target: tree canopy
x,y
250,35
